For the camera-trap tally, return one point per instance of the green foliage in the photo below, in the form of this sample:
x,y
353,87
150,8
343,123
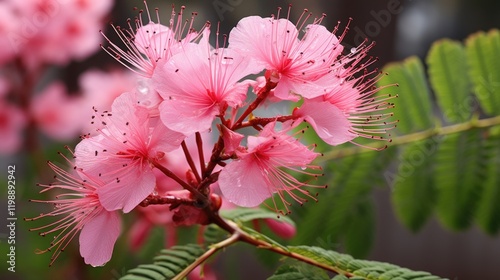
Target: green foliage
x,y
352,268
448,77
299,272
343,214
488,210
483,55
168,263
443,161
242,215
309,262
459,175
414,192
410,78
445,172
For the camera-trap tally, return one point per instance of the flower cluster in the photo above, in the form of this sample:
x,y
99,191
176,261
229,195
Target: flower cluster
x,y
35,36
192,90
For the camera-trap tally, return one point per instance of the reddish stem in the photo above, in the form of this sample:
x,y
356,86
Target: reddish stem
x,y
190,161
261,96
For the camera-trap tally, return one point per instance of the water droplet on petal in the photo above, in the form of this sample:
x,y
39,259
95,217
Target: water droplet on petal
x,y
101,265
353,50
142,87
227,61
303,167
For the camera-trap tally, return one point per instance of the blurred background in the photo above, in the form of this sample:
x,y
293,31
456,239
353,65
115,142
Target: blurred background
x,y
52,72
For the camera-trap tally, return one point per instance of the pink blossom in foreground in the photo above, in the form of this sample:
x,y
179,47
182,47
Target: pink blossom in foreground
x,y
122,153
297,63
349,110
262,171
12,123
78,209
57,114
159,215
198,84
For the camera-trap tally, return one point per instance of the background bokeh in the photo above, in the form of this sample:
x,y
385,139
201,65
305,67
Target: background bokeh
x,y
400,29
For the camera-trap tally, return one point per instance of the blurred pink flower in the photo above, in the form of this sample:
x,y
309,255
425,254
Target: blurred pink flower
x,y
56,114
59,30
79,209
12,123
8,27
99,89
282,229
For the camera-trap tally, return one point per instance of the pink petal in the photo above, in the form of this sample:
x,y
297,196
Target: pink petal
x,y
98,238
164,139
231,139
329,122
243,183
132,188
187,118
152,35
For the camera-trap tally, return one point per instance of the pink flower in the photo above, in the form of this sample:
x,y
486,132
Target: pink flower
x,y
150,43
297,64
8,28
158,215
349,110
12,122
99,89
261,171
79,208
57,114
122,153
59,31
198,84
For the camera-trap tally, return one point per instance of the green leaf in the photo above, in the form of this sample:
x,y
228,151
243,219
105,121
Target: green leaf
x,y
413,107
459,173
449,79
264,237
483,55
214,234
242,215
169,263
299,272
488,212
414,192
359,269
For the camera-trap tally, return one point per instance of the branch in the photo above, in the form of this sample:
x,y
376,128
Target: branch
x,y
213,249
421,135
